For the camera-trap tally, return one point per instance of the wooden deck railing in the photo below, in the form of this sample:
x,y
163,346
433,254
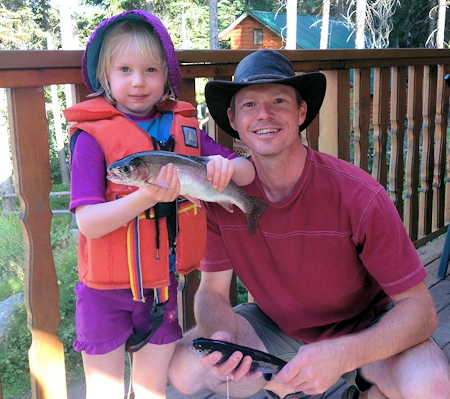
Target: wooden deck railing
x,y
385,110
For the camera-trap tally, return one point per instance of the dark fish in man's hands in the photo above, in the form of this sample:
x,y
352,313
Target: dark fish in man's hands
x,y
141,169
261,361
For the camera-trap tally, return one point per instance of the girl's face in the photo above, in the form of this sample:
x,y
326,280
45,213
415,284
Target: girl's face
x,y
136,83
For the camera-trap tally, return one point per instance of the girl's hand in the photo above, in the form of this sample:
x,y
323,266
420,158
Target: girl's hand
x,y
167,176
219,171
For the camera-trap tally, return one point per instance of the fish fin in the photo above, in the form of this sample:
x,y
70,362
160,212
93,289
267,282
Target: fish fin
x,y
159,183
195,201
200,159
259,207
227,205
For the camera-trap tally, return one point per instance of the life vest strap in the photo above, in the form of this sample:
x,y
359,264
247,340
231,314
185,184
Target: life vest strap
x,y
134,253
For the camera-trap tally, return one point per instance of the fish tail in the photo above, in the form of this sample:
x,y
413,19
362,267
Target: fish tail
x,y
259,207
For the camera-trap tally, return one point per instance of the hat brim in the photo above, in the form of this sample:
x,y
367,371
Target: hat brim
x,y
218,95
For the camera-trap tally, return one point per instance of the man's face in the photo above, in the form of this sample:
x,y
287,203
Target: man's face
x,y
267,117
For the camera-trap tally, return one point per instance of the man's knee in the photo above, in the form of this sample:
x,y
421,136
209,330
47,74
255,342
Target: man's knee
x,y
421,372
184,373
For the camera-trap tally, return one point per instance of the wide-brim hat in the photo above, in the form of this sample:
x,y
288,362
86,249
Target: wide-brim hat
x,y
263,67
91,54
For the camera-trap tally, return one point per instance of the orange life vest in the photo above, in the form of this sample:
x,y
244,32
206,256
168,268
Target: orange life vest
x,y
104,262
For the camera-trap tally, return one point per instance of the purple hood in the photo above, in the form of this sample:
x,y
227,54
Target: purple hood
x,y
90,56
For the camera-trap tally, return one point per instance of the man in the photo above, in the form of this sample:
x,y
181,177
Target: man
x,y
338,285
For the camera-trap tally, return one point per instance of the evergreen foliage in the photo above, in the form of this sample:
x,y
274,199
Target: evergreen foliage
x,y
411,25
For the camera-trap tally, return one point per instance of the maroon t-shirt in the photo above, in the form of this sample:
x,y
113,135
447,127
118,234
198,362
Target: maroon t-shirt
x,y
324,261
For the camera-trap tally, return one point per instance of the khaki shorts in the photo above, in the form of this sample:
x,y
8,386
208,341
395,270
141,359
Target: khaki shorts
x,y
281,345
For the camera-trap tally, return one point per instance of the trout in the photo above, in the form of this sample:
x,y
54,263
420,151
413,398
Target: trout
x,y
261,361
141,169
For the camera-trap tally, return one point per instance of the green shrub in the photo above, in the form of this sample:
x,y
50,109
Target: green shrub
x,y
14,368
12,247
60,202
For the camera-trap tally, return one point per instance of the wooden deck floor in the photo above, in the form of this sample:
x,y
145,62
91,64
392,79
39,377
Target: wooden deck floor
x,y
440,290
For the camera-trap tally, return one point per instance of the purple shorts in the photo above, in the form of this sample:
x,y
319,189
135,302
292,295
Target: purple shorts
x,y
105,319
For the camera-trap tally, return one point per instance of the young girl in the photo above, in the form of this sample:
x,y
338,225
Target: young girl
x,y
133,241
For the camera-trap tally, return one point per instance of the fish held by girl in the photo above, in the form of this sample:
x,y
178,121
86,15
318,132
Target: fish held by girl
x,y
141,169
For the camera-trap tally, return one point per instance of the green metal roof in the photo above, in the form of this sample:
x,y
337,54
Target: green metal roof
x,y
308,29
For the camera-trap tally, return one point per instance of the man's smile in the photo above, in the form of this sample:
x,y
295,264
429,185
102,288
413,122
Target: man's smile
x,y
266,131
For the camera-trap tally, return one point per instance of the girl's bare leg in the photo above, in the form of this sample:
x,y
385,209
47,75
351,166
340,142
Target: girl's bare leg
x,y
149,370
105,374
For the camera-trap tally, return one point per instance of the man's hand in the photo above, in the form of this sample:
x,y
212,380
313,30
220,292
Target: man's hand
x,y
235,367
314,369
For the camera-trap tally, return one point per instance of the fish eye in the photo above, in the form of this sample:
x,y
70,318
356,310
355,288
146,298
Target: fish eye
x,y
126,169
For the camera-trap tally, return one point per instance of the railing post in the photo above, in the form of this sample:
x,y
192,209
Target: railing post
x,y
361,117
397,133
441,175
413,115
334,116
29,143
381,93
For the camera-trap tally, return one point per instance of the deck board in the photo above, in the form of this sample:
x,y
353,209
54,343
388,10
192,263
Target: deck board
x,y
440,291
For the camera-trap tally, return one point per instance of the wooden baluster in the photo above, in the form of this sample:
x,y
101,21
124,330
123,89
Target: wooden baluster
x,y
310,136
187,91
334,116
441,191
427,160
397,133
343,114
79,93
380,123
215,131
189,284
187,287
413,114
29,142
361,117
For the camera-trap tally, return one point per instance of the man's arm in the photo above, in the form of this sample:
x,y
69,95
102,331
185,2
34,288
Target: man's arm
x,y
411,321
192,374
212,307
317,366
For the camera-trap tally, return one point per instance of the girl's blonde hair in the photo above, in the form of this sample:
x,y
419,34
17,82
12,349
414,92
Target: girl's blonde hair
x,y
147,44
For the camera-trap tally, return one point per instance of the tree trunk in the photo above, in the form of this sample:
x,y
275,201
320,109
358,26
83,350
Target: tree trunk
x,y
360,23
441,24
149,7
213,25
57,123
184,39
325,24
8,203
69,41
291,21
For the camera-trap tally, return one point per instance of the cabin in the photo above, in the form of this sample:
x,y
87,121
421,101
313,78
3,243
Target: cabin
x,y
400,137
262,29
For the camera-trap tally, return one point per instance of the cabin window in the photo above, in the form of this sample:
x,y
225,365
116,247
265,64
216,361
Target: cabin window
x,y
257,37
